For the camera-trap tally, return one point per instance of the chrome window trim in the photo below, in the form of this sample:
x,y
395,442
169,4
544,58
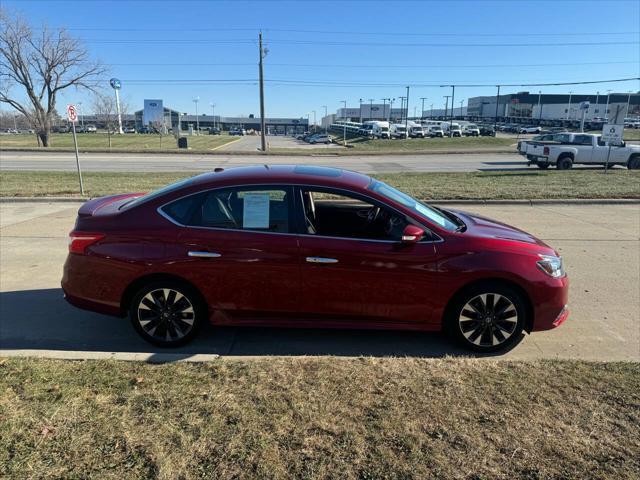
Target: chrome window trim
x,y
438,238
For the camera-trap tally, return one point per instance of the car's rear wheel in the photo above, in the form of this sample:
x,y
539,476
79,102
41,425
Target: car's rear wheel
x,y
564,163
167,313
487,318
634,163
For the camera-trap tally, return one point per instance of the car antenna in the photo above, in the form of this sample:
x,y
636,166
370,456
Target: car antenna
x,y
218,169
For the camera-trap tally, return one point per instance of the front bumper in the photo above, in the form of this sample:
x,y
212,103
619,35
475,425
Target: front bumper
x,y
550,304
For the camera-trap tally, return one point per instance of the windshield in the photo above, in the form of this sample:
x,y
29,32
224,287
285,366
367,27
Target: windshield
x,y
157,193
421,209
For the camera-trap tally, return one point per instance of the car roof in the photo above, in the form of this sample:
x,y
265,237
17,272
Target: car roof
x,y
286,174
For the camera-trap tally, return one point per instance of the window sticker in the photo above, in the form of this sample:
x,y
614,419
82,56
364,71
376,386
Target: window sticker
x,y
256,210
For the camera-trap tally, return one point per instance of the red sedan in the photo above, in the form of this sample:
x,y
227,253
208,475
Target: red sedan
x,y
303,246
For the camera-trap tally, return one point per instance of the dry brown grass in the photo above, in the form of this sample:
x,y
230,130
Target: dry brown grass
x,y
320,418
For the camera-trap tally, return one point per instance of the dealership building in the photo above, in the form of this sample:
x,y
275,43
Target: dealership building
x,y
552,106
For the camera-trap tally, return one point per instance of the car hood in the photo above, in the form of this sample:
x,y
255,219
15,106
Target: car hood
x,y
479,226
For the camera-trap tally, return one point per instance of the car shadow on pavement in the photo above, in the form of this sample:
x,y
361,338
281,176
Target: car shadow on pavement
x,y
43,320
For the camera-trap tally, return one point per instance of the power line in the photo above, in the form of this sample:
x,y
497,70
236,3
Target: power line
x,y
326,65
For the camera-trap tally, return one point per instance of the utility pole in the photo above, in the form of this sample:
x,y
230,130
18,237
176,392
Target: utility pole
x,y
262,54
495,120
422,110
371,109
569,109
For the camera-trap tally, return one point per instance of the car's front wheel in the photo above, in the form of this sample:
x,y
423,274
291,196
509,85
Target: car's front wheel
x,y
487,318
167,313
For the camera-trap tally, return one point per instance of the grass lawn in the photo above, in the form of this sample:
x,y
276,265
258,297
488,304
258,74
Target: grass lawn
x,y
100,141
322,418
531,184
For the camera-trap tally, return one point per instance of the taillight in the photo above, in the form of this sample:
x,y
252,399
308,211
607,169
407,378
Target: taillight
x,y
545,151
79,241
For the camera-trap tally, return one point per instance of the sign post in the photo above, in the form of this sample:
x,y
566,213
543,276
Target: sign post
x,y
612,133
72,116
116,85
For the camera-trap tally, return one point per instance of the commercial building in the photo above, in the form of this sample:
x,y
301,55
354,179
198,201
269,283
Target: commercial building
x,y
541,106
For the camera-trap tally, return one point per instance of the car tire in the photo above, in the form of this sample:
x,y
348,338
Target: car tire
x,y
564,163
486,318
543,166
167,313
634,163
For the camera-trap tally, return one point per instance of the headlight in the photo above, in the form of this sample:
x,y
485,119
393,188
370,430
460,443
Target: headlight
x,y
551,265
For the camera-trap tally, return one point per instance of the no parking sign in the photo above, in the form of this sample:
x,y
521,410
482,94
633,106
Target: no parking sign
x,y
72,113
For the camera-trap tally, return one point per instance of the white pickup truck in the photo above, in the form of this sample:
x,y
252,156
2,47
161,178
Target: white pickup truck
x,y
572,148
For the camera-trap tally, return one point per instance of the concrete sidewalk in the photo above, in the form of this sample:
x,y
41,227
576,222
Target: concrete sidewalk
x,y
600,244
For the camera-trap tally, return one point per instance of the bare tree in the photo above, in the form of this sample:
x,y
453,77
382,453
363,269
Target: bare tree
x,y
36,66
105,109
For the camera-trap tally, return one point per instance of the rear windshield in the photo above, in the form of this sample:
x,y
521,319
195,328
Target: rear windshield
x,y
158,193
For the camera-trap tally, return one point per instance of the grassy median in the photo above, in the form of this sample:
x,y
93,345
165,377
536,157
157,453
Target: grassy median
x,y
127,142
319,418
530,184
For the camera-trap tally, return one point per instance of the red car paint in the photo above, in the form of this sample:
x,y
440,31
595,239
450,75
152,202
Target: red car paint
x,y
262,278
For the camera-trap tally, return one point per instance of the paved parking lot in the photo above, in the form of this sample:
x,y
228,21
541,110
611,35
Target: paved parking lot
x,y
600,245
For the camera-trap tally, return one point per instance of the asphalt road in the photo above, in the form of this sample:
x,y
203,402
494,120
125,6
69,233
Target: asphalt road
x,y
600,244
141,162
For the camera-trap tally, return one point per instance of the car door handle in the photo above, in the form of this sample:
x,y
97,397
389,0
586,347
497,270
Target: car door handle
x,y
321,260
204,254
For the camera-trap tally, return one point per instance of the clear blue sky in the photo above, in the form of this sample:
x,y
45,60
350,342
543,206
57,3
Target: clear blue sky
x,y
389,44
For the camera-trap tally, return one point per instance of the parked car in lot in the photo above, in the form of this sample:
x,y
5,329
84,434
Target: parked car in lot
x,y
91,129
214,131
398,130
416,131
451,129
238,131
129,130
436,131
524,145
319,138
573,148
530,129
380,130
487,131
471,130
305,246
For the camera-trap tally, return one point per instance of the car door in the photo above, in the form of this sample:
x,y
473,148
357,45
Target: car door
x,y
238,247
376,281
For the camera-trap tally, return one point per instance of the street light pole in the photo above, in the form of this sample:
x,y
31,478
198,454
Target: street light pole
x,y
446,106
461,103
384,107
263,125
371,109
213,114
391,100
314,120
360,110
539,106
196,100
628,103
569,109
597,98
422,109
495,120
344,124
453,97
431,114
326,128
606,109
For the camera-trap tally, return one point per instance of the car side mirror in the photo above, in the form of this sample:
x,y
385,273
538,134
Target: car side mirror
x,y
412,234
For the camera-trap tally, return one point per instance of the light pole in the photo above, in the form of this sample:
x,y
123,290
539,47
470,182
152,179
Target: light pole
x,y
391,100
606,109
384,108
344,124
406,119
431,114
196,100
15,122
539,106
569,109
314,120
446,106
461,103
213,114
422,109
597,98
628,103
81,115
326,128
360,110
371,109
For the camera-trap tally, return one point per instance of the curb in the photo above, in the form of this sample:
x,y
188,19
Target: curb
x,y
450,201
215,152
